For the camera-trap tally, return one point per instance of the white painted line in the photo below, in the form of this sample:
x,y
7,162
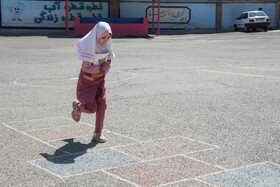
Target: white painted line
x,y
174,69
108,131
269,69
220,167
134,75
61,139
77,174
174,182
201,150
243,74
150,141
34,120
141,160
274,163
52,128
199,141
147,141
31,84
185,180
64,126
114,167
48,171
19,84
205,182
117,177
21,132
103,171
58,156
38,86
122,135
233,169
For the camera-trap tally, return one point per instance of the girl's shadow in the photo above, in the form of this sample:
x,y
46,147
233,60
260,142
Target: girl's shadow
x,y
69,152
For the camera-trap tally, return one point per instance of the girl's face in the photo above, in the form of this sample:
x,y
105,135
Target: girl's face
x,y
102,41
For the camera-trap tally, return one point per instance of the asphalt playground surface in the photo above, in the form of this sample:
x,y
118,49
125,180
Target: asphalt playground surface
x,y
195,109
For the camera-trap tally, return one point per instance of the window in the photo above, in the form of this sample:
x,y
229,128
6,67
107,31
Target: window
x,y
254,14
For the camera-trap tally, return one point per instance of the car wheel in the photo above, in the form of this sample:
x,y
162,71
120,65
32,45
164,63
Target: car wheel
x,y
235,28
265,29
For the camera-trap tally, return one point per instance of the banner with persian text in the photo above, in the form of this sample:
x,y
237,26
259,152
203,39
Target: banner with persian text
x,y
169,14
16,13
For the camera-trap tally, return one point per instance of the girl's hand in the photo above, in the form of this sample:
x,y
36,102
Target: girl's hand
x,y
106,65
102,61
97,75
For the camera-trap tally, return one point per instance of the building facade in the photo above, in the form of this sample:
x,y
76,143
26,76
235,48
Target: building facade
x,y
174,14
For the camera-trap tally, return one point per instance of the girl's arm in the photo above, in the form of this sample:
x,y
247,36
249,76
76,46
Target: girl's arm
x,y
95,71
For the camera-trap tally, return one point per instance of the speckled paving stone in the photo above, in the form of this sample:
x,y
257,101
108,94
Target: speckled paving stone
x,y
62,132
163,171
42,123
84,143
163,148
265,174
85,162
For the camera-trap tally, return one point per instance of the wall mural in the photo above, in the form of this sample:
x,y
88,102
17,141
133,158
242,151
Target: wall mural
x,y
170,14
48,13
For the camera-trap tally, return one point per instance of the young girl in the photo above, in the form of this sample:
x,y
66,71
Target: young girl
x,y
91,89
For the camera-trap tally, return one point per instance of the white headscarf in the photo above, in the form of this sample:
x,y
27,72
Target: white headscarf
x,y
88,46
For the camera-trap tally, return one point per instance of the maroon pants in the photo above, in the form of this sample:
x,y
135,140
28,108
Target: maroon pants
x,y
91,94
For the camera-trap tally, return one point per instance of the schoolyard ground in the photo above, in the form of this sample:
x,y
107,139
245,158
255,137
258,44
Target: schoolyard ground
x,y
183,109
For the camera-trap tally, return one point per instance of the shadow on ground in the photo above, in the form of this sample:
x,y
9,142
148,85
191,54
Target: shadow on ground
x,y
77,148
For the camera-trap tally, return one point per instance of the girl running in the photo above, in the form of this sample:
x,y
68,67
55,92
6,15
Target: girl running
x,y
91,89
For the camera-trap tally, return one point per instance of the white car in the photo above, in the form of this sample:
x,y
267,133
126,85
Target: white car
x,y
252,20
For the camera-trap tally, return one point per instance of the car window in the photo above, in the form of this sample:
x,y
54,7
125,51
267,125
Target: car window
x,y
244,16
254,14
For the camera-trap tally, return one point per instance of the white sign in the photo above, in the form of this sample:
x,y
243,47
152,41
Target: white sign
x,y
169,14
17,13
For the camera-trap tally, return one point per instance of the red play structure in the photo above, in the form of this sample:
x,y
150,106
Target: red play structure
x,y
120,26
158,16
